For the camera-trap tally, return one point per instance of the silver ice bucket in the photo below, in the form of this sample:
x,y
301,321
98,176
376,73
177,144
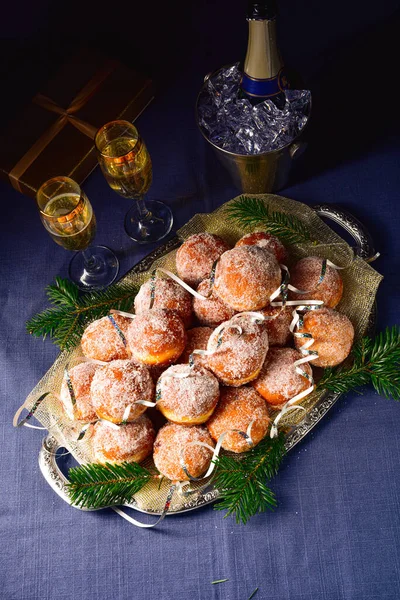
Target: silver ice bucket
x,y
258,173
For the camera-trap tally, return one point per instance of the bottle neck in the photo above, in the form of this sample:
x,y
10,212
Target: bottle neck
x,y
262,59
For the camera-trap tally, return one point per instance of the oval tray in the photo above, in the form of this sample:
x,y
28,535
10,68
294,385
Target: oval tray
x,y
363,248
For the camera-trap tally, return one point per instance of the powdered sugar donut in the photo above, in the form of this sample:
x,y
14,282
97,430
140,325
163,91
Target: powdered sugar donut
x,y
172,443
238,354
267,241
237,408
196,256
278,381
212,311
305,275
167,294
333,335
156,337
101,340
118,385
246,277
132,442
79,408
197,339
187,400
278,330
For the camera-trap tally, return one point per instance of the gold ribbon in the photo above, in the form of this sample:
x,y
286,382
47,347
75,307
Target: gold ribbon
x,y
65,116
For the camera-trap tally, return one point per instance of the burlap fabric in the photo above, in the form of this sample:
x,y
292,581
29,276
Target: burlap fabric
x,y
360,285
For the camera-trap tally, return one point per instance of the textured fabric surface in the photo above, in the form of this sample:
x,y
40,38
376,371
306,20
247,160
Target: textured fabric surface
x,y
336,532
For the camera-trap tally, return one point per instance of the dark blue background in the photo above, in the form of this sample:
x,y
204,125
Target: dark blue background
x,y
336,532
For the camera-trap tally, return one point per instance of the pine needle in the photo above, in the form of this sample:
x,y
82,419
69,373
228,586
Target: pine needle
x,y
97,486
251,212
219,581
242,483
72,311
374,361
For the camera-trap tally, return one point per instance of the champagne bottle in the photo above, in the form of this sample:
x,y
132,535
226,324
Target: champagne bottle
x,y
263,76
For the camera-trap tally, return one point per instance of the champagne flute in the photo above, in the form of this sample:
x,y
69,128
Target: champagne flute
x,y
126,165
68,216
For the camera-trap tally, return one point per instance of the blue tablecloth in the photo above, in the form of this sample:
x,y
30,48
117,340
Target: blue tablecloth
x,y
336,532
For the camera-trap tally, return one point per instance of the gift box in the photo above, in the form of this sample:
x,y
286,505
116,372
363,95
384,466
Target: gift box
x,y
54,134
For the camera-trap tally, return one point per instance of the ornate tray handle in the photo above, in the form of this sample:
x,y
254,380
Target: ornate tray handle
x,y
364,248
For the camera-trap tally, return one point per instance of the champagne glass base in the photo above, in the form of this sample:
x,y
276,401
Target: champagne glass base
x,y
94,268
151,228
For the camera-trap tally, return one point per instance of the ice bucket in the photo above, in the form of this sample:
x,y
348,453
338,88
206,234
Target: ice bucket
x,y
257,173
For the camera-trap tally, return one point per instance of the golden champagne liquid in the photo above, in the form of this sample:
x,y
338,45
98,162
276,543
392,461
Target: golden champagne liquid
x,y
126,165
75,225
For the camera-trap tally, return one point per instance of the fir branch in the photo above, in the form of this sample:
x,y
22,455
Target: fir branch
x,y
45,323
63,292
251,212
72,311
97,486
375,361
242,483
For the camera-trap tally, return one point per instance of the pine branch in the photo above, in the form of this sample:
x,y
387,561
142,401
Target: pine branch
x,y
66,320
251,212
63,292
375,362
242,483
97,486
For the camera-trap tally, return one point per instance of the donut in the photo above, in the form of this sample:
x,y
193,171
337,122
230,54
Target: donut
x,y
156,337
196,256
212,311
266,241
131,442
172,443
80,377
238,355
189,400
278,381
167,294
246,277
117,385
156,371
197,339
333,335
237,408
278,330
101,340
305,276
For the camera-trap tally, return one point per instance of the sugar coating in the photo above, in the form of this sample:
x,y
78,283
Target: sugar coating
x,y
333,335
265,240
278,381
167,294
278,330
196,256
305,275
246,277
189,397
239,357
236,409
118,385
81,377
197,339
101,340
212,311
156,336
171,441
132,442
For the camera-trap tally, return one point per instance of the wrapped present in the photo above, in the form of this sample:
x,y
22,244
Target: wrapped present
x,y
54,134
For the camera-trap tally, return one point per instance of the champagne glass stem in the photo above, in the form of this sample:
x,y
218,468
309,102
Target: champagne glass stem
x,y
90,260
142,209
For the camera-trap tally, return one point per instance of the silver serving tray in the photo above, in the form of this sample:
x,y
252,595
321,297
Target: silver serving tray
x,y
363,248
